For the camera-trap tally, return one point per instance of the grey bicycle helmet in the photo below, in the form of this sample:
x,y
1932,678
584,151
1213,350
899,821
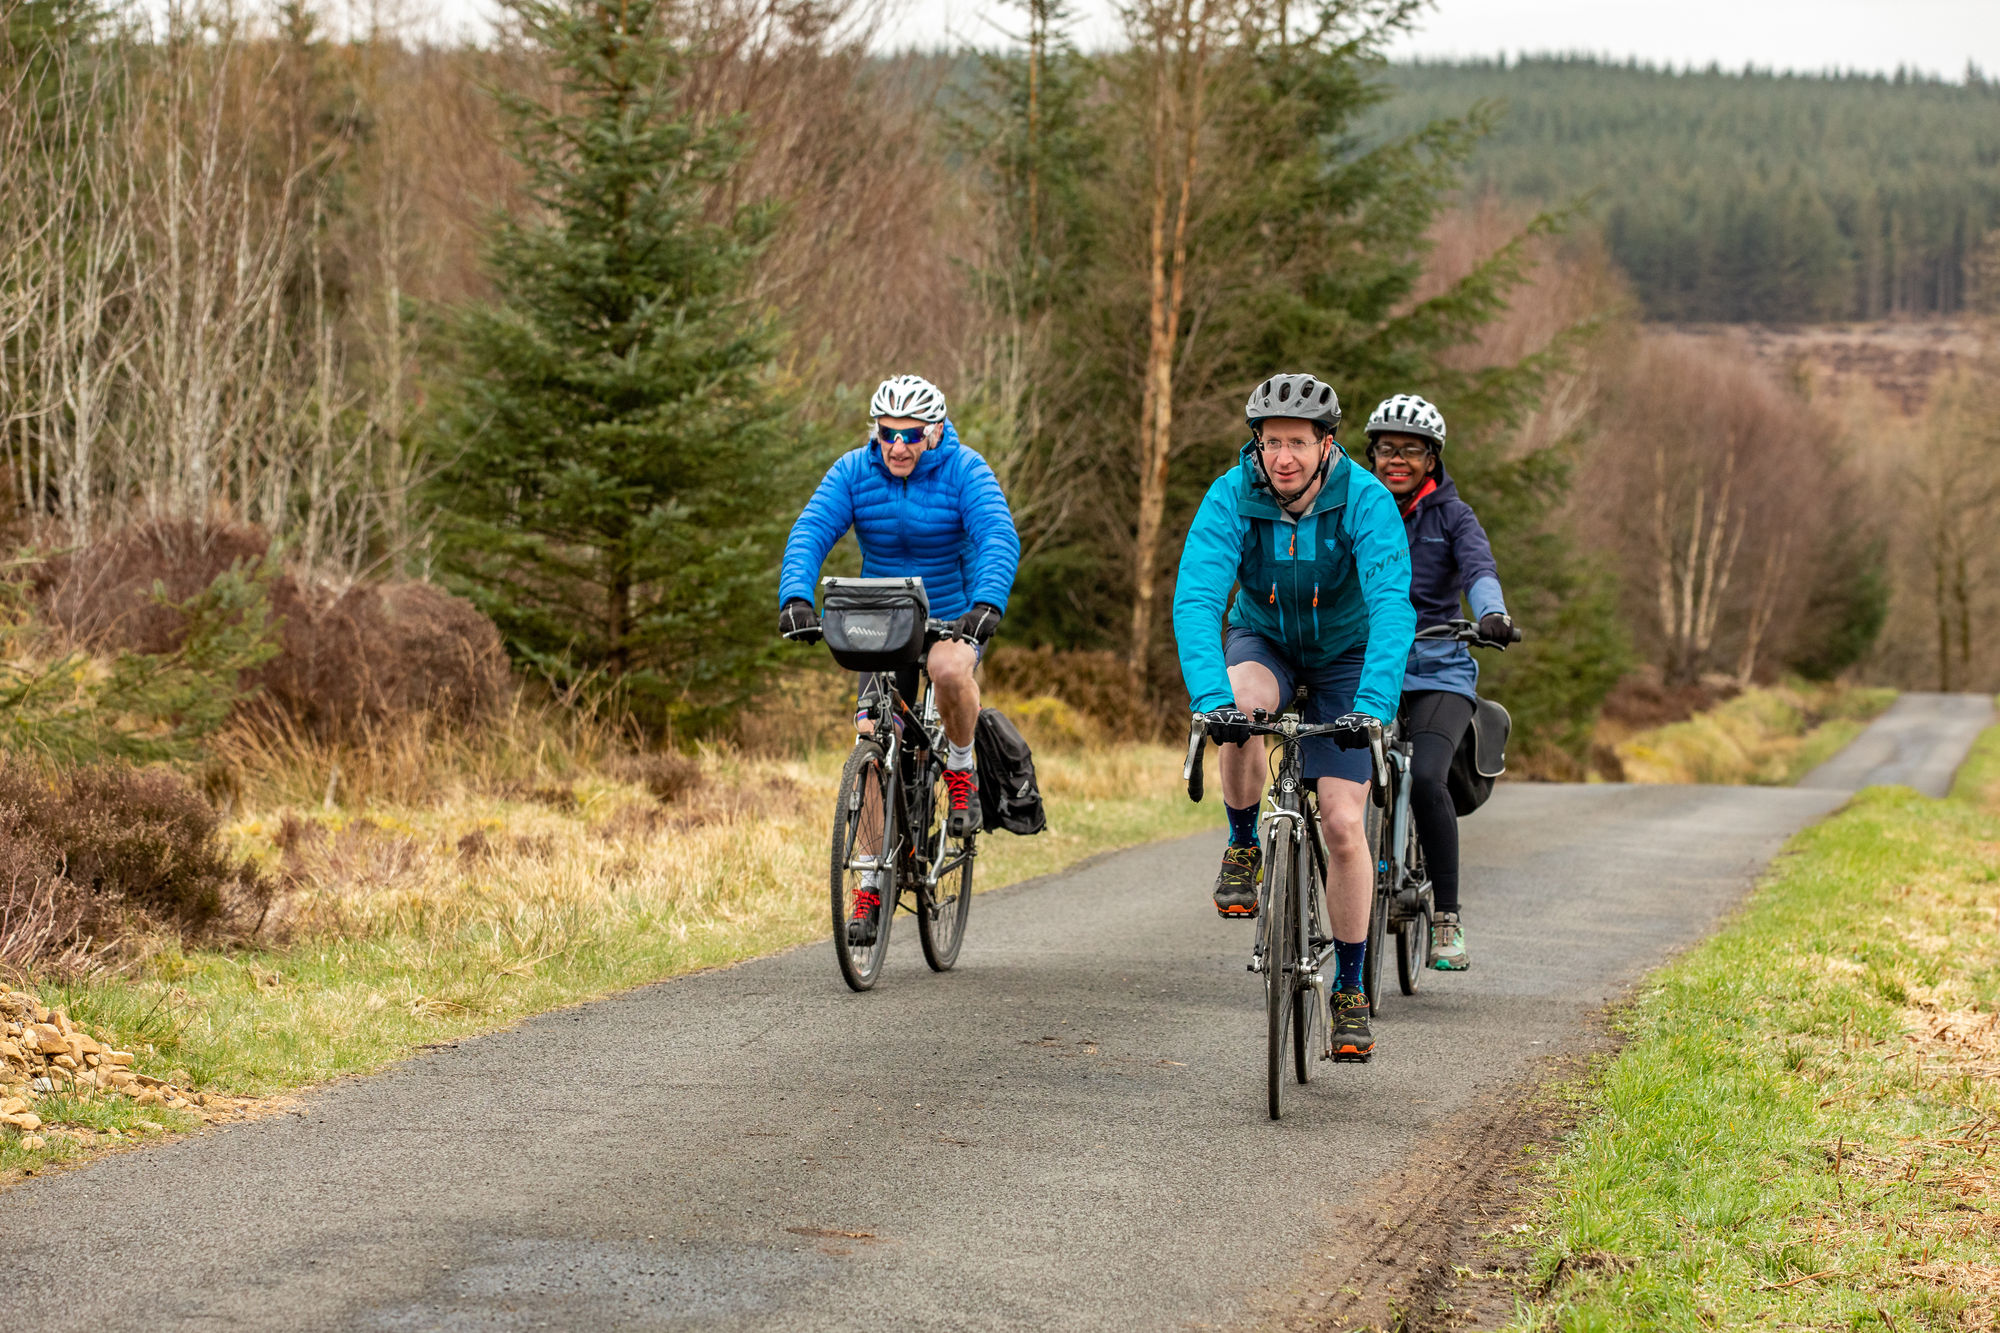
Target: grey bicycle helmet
x,y
1407,414
1301,396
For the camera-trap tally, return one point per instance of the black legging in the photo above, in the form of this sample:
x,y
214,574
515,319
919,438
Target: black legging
x,y
1435,721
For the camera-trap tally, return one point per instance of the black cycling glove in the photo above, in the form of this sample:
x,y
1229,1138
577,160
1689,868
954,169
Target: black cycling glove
x,y
1227,726
1355,731
1498,626
977,624
799,622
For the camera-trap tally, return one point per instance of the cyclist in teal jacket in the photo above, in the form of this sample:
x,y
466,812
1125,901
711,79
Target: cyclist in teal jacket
x,y
1316,550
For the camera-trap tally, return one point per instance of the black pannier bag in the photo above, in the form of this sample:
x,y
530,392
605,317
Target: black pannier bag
x,y
1481,757
875,624
1008,796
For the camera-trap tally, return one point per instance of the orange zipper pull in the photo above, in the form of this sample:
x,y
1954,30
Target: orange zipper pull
x,y
1274,594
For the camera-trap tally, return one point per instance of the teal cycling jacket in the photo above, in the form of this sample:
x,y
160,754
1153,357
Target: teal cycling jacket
x,y
1317,588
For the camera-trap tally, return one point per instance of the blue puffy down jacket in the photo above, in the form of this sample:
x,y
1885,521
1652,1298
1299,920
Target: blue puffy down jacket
x,y
946,523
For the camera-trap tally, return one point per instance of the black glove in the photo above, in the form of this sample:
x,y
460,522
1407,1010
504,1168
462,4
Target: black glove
x,y
1227,726
1355,731
799,622
977,624
1499,627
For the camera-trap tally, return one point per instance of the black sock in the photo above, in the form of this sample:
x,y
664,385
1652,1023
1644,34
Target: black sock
x,y
1242,825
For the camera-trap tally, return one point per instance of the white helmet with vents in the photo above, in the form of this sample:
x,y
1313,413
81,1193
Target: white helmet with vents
x,y
910,396
1300,396
1407,414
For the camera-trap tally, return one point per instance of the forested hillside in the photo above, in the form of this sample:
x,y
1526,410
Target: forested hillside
x,y
1743,196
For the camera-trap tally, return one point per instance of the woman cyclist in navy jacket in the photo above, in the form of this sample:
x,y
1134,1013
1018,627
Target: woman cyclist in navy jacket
x,y
1449,556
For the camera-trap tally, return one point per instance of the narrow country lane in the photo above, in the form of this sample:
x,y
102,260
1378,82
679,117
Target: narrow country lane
x,y
1067,1133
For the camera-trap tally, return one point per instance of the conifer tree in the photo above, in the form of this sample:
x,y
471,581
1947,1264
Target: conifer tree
x,y
614,444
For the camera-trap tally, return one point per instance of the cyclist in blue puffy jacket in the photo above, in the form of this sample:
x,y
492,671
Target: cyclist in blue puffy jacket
x,y
1449,556
1313,545
922,505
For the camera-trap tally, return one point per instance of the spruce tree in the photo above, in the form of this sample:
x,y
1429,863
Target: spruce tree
x,y
613,449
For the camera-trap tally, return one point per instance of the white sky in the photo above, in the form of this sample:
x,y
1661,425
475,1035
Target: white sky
x,y
1937,36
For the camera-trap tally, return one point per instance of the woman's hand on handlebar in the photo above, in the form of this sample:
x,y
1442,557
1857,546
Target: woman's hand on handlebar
x,y
1498,627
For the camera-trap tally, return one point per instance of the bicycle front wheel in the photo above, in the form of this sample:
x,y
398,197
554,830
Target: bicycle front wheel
x,y
1312,927
863,864
941,912
1280,934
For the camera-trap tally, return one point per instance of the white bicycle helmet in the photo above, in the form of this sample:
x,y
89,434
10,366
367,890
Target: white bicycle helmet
x,y
1407,414
910,396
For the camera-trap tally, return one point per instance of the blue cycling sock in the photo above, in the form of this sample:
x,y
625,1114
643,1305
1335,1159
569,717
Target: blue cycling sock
x,y
1242,825
1350,957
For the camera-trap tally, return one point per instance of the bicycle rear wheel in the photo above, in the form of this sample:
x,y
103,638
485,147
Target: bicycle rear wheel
x,y
863,837
1378,908
941,912
1413,941
1280,931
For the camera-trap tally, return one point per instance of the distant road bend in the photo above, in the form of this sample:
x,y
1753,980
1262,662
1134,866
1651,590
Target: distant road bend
x,y
1066,1133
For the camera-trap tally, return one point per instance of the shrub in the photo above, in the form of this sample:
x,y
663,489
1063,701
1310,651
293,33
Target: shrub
x,y
1097,684
125,841
349,660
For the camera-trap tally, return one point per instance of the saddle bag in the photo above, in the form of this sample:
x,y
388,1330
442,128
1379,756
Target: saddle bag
x,y
1008,795
875,624
1481,757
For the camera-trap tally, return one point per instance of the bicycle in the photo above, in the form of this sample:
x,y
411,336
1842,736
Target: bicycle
x,y
1402,901
891,785
1293,945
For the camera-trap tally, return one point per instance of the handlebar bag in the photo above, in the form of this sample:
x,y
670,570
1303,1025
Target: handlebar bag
x,y
875,624
1481,757
1009,796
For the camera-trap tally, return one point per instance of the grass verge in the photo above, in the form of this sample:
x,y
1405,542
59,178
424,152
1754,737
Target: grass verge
x,y
1797,1131
418,923
1766,737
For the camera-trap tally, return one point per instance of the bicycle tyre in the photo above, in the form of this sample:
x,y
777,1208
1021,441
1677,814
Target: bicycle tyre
x,y
1278,931
864,791
941,915
1413,948
1378,911
1413,941
1305,1000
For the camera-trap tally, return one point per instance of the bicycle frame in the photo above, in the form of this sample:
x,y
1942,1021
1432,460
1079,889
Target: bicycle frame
x,y
892,719
1294,804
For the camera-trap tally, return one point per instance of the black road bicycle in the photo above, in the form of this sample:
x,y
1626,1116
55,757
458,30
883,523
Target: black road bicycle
x,y
889,822
1402,904
1293,946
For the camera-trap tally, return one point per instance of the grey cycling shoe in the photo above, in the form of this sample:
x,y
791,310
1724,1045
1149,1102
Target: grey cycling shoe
x,y
1448,943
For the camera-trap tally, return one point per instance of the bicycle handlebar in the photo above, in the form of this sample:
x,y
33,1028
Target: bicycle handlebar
x,y
1466,632
1262,723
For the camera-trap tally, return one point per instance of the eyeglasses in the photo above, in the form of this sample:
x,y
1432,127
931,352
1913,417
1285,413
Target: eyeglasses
x,y
1409,453
1302,449
901,435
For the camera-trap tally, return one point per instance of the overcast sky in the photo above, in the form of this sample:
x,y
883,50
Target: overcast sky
x,y
1938,36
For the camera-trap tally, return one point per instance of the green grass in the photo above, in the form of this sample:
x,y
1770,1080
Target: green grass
x,y
1769,737
404,942
1845,1018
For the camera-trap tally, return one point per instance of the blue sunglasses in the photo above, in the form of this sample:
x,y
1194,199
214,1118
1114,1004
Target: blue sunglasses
x,y
904,435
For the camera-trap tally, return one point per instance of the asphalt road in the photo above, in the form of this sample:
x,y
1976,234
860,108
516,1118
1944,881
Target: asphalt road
x,y
1066,1133
1919,742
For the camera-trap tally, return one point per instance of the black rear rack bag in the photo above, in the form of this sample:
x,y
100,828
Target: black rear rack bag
x,y
875,624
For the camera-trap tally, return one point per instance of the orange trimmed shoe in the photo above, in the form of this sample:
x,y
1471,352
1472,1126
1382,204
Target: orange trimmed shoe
x,y
1236,885
1351,1038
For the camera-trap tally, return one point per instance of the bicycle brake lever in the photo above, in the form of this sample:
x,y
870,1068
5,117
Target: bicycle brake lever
x,y
1191,770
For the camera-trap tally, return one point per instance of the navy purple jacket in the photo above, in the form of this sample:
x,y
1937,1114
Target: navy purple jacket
x,y
1449,555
